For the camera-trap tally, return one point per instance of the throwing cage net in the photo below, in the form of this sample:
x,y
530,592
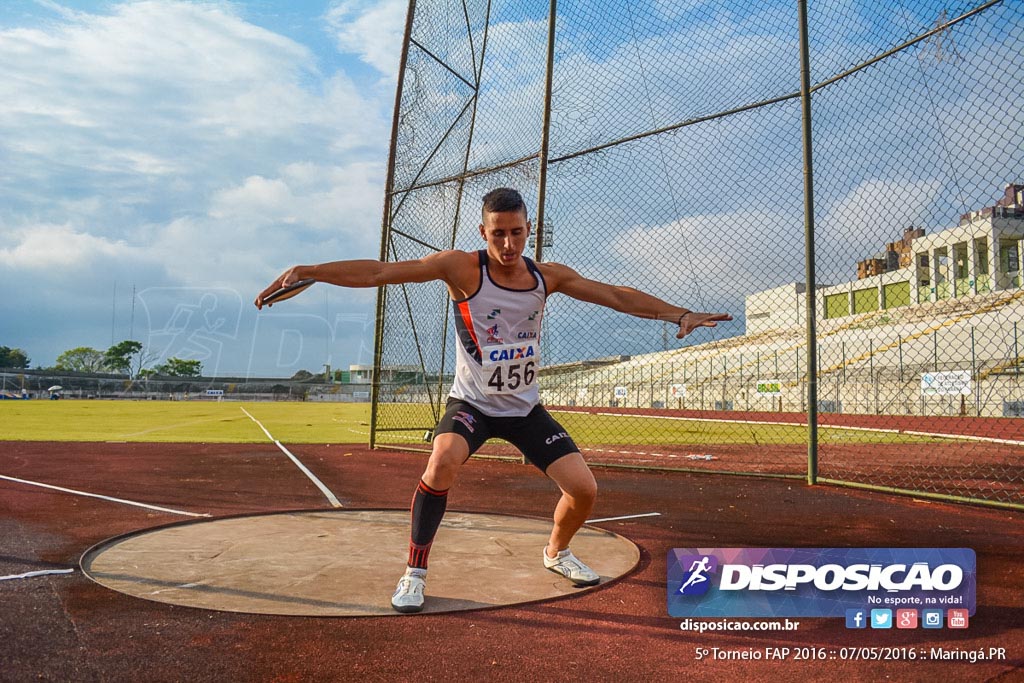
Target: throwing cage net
x,y
688,149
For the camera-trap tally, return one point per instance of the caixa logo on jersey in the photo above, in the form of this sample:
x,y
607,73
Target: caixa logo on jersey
x,y
511,352
816,582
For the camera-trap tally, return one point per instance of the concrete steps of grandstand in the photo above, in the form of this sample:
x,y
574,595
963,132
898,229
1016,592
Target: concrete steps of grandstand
x,y
888,330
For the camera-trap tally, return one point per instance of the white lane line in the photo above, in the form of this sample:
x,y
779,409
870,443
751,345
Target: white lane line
x,y
615,519
29,575
968,437
312,477
96,495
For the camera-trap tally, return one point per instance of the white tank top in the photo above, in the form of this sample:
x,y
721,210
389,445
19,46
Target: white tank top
x,y
497,356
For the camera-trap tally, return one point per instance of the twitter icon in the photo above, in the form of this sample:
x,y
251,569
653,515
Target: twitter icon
x,y
881,618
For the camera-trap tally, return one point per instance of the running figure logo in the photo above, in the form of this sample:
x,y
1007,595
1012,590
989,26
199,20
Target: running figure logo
x,y
697,581
493,335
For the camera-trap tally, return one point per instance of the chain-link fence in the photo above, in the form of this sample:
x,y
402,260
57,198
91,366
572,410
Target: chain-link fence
x,y
662,145
52,383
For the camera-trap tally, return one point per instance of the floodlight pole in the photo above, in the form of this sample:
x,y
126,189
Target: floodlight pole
x,y
385,233
812,290
538,227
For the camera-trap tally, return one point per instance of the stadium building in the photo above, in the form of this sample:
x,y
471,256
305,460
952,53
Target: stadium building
x,y
981,255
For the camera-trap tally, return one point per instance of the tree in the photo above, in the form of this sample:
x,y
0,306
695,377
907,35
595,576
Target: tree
x,y
176,367
13,358
141,360
81,359
118,357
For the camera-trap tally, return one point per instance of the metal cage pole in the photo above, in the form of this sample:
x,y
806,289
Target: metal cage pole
x,y
812,343
477,78
545,135
385,237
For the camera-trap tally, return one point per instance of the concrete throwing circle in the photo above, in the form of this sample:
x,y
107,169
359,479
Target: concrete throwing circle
x,y
344,562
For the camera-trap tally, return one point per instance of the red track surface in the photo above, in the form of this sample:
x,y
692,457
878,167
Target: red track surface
x,y
65,627
988,464
987,427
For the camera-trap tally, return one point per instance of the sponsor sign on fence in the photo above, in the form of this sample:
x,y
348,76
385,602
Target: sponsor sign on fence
x,y
956,383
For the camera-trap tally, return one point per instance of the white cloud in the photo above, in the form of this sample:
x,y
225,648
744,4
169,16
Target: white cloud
x,y
705,248
215,253
327,198
179,54
370,29
258,197
727,255
161,87
162,113
673,9
170,144
860,223
51,247
892,205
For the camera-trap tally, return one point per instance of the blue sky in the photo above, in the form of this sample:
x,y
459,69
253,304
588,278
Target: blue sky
x,y
191,151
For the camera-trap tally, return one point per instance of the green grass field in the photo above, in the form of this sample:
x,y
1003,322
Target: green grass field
x,y
653,431
183,421
593,430
225,422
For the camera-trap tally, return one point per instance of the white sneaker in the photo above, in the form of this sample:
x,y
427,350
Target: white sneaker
x,y
569,566
408,597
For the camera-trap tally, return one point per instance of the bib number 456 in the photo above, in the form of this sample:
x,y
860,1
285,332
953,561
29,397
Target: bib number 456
x,y
512,378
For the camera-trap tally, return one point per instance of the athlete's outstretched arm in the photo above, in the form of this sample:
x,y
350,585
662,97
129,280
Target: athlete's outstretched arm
x,y
626,299
370,273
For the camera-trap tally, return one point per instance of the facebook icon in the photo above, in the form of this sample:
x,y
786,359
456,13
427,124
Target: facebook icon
x,y
856,618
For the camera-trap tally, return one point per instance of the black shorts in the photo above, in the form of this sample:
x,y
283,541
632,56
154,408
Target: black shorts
x,y
538,435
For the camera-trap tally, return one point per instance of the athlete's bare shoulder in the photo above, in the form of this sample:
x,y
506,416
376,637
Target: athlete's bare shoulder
x,y
455,263
461,271
557,275
456,258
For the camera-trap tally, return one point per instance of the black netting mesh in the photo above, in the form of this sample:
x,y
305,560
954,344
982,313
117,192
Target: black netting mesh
x,y
676,166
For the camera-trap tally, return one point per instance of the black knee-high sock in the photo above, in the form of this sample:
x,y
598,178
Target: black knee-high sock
x,y
428,506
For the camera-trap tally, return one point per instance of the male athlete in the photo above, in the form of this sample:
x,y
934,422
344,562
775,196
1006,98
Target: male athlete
x,y
498,297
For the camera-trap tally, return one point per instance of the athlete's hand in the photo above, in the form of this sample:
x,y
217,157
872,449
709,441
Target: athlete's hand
x,y
688,322
286,278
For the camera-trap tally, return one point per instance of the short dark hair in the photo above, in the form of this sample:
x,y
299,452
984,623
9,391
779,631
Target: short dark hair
x,y
503,199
